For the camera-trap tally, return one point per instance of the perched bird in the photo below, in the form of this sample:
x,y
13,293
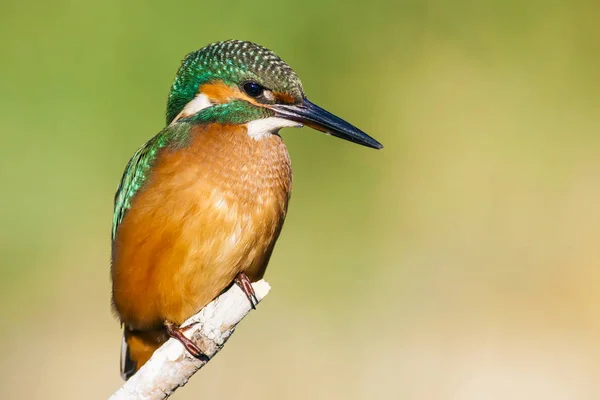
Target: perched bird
x,y
201,204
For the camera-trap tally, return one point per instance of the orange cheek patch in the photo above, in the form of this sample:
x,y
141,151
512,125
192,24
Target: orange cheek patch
x,y
219,93
284,98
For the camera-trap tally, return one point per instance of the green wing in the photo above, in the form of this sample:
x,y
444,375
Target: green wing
x,y
138,168
133,178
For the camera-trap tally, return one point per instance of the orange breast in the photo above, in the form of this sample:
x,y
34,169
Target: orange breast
x,y
207,212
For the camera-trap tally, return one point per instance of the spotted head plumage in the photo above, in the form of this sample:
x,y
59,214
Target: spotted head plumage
x,y
234,63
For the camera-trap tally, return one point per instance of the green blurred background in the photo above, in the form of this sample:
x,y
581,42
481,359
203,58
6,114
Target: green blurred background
x,y
461,262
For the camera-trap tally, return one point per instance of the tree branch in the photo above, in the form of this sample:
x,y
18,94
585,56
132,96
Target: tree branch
x,y
171,366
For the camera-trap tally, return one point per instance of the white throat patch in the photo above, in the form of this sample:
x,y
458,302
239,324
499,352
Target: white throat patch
x,y
200,102
262,128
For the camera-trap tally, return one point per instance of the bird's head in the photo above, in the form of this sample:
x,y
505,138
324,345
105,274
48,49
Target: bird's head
x,y
237,82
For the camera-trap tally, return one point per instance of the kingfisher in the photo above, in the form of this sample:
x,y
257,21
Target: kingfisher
x,y
201,204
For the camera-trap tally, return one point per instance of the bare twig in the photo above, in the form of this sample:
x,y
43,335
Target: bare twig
x,y
171,366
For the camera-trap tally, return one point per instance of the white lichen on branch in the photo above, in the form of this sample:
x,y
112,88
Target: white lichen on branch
x,y
171,366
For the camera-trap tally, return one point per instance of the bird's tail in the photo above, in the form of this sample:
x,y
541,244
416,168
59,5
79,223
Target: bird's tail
x,y
137,348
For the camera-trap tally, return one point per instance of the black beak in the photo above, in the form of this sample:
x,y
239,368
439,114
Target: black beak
x,y
322,120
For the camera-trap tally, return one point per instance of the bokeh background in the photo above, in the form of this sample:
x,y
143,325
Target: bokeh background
x,y
461,262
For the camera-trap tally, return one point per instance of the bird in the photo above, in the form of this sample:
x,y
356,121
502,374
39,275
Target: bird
x,y
201,204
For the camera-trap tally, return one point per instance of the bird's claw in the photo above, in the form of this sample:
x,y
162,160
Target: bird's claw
x,y
244,283
176,332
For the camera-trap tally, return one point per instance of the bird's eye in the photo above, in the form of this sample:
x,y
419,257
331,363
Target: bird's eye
x,y
253,89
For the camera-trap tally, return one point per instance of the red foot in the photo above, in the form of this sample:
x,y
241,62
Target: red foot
x,y
176,332
244,283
